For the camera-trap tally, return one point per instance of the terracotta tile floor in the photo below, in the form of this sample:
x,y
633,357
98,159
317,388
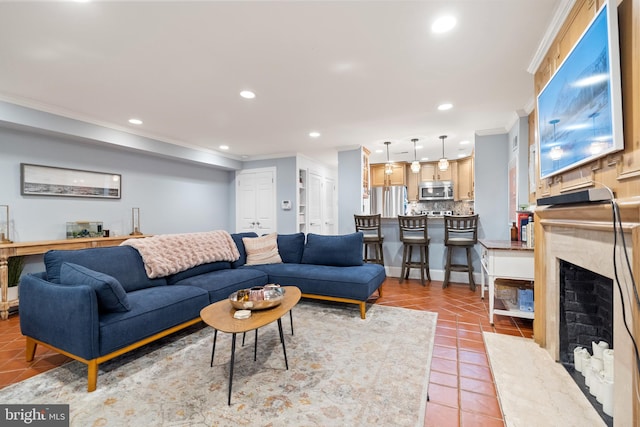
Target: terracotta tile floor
x,y
461,390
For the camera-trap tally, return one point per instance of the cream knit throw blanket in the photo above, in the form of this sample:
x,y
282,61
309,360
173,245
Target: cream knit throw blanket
x,y
167,254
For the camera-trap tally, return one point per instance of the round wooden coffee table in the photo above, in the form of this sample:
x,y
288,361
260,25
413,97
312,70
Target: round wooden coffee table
x,y
219,316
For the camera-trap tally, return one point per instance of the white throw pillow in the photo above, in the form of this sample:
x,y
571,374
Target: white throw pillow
x,y
262,250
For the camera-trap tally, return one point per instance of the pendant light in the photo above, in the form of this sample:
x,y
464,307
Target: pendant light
x,y
415,165
388,169
443,163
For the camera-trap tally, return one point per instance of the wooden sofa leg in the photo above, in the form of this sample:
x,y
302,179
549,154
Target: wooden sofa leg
x,y
92,380
363,311
31,349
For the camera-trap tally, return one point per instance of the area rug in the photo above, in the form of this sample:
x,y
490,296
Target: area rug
x,y
343,370
533,389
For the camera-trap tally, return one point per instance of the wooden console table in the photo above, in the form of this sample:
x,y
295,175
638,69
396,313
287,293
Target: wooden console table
x,y
9,250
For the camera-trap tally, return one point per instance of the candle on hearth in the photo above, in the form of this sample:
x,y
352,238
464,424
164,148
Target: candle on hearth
x,y
586,363
607,359
598,348
577,358
596,368
607,398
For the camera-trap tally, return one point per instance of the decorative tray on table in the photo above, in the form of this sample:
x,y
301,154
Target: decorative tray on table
x,y
257,298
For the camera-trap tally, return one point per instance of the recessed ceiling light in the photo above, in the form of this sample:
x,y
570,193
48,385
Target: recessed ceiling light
x,y
379,151
314,134
465,142
418,147
461,155
443,24
247,94
224,147
135,121
445,106
424,159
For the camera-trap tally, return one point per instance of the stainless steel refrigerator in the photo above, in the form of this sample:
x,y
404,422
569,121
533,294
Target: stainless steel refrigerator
x,y
389,201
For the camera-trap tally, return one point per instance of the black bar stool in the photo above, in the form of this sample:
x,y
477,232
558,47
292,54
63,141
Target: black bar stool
x,y
460,231
414,232
371,227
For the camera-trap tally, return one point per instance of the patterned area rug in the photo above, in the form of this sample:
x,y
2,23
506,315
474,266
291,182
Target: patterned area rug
x,y
533,389
342,371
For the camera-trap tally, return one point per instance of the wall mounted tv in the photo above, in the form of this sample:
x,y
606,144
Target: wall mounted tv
x,y
580,108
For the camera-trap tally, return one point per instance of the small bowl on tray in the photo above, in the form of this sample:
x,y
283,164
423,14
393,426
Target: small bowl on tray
x,y
257,298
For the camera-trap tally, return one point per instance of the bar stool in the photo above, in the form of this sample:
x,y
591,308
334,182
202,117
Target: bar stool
x,y
460,231
371,227
414,232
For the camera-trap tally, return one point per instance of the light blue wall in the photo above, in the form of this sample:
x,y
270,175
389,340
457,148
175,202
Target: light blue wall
x,y
173,196
286,187
350,189
491,187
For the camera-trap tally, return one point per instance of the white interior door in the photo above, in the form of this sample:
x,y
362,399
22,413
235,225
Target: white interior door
x,y
315,200
256,201
329,207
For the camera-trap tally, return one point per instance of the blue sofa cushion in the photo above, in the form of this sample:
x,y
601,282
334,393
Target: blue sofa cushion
x,y
291,247
356,282
237,238
110,293
222,283
152,310
198,269
122,262
339,251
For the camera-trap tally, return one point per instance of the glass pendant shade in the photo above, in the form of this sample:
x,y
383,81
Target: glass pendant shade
x,y
415,165
388,169
443,163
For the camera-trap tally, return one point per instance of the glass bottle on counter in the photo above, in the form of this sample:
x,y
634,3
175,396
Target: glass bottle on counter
x,y
514,232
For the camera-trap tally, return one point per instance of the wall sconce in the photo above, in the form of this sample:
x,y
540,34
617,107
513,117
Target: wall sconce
x,y
443,163
4,224
135,220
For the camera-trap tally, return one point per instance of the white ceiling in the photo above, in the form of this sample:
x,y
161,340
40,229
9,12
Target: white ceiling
x,y
358,72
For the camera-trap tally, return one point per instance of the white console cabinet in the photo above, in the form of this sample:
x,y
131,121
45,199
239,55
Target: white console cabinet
x,y
506,260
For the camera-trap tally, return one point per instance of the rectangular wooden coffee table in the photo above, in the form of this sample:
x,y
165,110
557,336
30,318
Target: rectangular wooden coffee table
x,y
219,316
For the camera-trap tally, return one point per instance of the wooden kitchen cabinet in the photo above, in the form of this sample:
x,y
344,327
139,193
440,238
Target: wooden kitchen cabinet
x,y
380,179
430,172
463,184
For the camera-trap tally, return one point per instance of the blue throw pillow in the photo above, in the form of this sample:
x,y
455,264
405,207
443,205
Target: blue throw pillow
x,y
291,247
110,293
340,251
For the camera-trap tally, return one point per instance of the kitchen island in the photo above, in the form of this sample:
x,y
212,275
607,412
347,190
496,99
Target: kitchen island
x,y
392,248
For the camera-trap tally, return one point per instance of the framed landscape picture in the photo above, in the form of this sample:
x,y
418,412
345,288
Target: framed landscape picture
x,y
38,180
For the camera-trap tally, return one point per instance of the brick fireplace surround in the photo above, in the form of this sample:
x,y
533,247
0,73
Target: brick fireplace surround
x,y
583,235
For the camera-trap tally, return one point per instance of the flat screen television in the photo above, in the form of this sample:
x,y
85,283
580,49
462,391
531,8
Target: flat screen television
x,y
580,108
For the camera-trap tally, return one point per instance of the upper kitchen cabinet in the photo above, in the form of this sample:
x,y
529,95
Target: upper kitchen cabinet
x,y
430,172
380,179
463,184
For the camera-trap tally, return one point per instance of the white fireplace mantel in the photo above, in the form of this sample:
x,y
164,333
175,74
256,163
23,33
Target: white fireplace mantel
x,y
583,235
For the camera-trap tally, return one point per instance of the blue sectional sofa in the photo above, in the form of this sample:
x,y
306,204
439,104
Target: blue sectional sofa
x,y
96,304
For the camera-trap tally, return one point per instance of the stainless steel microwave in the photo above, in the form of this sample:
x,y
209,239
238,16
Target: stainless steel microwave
x,y
436,190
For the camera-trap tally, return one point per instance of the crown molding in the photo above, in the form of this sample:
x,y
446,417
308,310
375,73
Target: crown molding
x,y
559,17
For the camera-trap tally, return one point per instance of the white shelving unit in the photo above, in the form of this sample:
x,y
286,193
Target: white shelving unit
x,y
302,200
